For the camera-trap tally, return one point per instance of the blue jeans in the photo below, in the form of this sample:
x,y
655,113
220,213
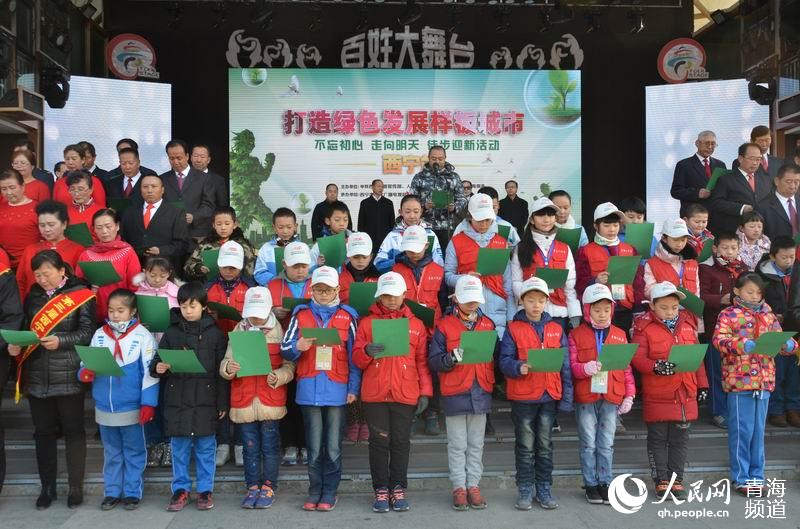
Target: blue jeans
x,y
224,427
324,427
205,449
747,417
124,460
719,399
261,442
786,396
533,444
597,423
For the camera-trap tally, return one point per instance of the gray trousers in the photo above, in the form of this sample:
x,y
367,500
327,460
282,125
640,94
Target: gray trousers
x,y
465,435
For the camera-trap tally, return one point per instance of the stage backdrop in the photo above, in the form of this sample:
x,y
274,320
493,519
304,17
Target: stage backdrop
x,y
292,131
103,111
675,115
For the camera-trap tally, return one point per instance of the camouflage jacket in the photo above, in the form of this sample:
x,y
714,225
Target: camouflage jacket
x,y
194,264
426,182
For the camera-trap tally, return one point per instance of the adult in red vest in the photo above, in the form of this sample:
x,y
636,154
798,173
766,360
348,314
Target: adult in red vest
x,y
535,396
674,260
422,275
394,389
259,402
598,396
466,391
230,286
670,399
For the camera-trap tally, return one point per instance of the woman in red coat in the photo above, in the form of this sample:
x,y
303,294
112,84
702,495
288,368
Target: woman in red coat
x,y
83,206
670,398
17,216
73,158
24,162
110,247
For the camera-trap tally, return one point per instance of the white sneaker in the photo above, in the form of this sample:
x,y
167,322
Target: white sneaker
x,y
290,455
238,455
223,454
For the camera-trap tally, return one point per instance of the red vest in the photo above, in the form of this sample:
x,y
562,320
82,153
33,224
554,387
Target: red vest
x,y
587,351
663,271
597,256
345,280
307,363
467,257
279,290
558,261
533,385
459,379
426,292
245,389
235,300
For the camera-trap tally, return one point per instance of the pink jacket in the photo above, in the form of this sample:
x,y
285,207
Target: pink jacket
x,y
169,291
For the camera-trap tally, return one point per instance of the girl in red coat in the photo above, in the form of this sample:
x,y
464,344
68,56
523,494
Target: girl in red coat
x,y
393,389
670,398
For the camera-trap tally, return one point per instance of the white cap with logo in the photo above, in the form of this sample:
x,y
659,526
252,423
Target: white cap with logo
x,y
596,292
675,228
605,209
325,275
359,243
392,284
534,283
469,289
296,253
543,203
231,254
664,289
414,239
480,207
257,303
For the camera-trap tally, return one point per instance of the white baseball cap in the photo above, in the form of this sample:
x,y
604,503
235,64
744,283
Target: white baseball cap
x,y
296,253
469,289
325,275
231,254
605,209
480,207
543,203
534,283
391,283
596,292
414,239
359,243
675,228
664,289
257,303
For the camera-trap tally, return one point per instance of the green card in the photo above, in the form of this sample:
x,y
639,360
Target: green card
x,y
427,315
554,277
21,338
687,358
429,249
278,260
291,303
334,248
770,343
80,234
181,360
715,174
571,237
178,204
614,357
692,303
153,312
224,312
209,258
503,231
622,269
100,360
705,253
362,297
323,335
442,199
100,273
393,334
250,351
546,360
492,261
119,204
640,236
478,346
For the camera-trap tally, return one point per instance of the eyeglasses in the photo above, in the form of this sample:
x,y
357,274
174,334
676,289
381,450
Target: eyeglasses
x,y
323,291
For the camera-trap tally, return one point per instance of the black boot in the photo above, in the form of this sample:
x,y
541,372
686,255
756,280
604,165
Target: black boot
x,y
75,497
47,496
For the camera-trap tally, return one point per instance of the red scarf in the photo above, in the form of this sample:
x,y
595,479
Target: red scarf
x,y
111,246
111,334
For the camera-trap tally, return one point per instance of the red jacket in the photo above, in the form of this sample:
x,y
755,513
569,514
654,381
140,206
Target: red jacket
x,y
278,289
558,261
459,379
426,292
84,217
664,271
399,379
467,258
593,259
582,349
68,250
61,192
124,260
716,282
672,397
340,366
345,280
245,389
235,300
533,385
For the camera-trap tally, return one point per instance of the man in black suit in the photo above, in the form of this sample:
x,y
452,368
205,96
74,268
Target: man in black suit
x,y
779,209
321,210
130,144
155,227
692,174
768,165
89,157
201,158
739,190
38,173
376,214
128,184
514,209
190,186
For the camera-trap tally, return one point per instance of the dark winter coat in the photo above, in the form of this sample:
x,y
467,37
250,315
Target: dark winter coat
x,y
11,317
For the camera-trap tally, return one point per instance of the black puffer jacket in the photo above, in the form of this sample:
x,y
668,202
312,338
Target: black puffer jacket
x,y
54,373
193,401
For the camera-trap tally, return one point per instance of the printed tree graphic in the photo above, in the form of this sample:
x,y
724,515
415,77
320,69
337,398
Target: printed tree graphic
x,y
247,175
303,199
558,109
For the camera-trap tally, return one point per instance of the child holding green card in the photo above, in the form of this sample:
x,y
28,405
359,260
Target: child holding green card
x,y
284,224
670,398
599,396
258,402
294,282
673,260
696,217
337,218
748,379
230,286
535,397
394,388
423,276
466,392
564,218
753,244
124,404
635,212
225,228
